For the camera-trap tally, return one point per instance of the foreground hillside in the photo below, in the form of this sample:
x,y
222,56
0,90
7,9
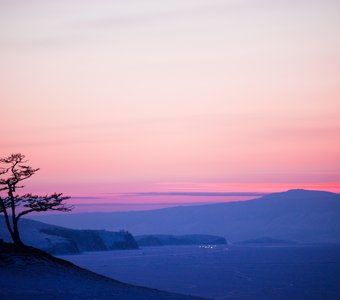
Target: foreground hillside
x,y
296,215
28,273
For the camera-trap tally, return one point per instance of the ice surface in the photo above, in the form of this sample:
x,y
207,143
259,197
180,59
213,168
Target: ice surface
x,y
226,272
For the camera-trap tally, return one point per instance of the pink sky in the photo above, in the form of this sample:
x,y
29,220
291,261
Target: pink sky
x,y
159,96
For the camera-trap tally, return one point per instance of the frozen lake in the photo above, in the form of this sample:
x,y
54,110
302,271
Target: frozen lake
x,y
225,272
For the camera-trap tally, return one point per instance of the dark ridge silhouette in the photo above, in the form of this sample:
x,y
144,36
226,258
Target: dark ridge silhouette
x,y
171,240
266,241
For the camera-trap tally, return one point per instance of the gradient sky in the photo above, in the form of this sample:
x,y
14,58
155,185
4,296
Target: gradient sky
x,y
134,96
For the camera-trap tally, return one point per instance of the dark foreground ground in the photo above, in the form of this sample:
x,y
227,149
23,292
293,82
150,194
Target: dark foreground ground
x,y
28,273
252,272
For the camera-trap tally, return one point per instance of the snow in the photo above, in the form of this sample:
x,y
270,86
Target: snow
x,y
27,276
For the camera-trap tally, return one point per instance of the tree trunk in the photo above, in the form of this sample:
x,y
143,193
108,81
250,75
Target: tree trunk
x,y
7,221
16,236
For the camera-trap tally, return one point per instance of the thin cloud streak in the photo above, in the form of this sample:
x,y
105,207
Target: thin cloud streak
x,y
195,9
198,194
71,34
146,204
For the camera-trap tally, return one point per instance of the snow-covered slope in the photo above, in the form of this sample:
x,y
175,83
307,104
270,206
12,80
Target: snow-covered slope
x,y
28,273
61,240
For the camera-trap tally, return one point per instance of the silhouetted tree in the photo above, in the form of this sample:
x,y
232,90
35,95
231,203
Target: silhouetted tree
x,y
13,170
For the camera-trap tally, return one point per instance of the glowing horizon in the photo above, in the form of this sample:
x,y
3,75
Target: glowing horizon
x,y
148,96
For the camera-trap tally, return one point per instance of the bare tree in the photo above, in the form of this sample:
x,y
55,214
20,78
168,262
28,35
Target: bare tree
x,y
13,171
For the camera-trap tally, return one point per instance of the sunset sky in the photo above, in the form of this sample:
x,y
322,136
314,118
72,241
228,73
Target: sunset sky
x,y
125,102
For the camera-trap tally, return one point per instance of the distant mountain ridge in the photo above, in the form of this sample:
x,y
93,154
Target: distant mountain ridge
x,y
296,215
190,239
266,241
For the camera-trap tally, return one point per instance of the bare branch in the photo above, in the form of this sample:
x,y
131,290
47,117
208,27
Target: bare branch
x,y
40,204
12,172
